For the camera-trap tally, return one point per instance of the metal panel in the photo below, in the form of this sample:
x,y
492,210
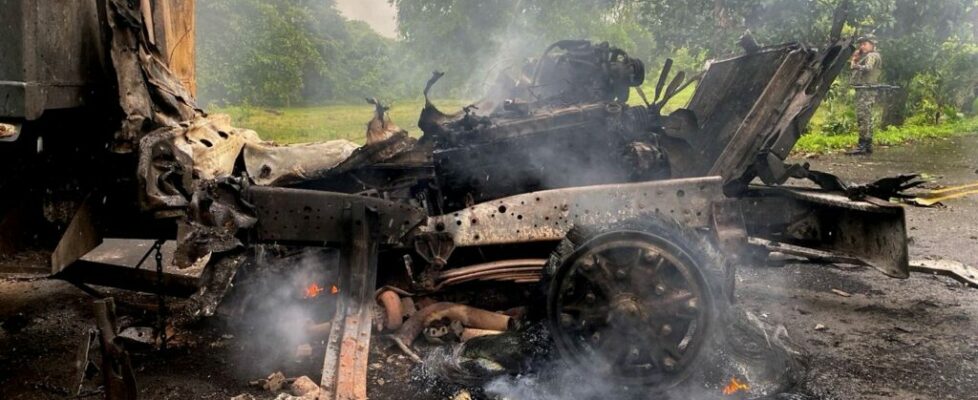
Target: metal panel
x,y
747,139
344,374
549,215
176,28
725,97
128,278
298,215
53,55
874,233
12,31
80,237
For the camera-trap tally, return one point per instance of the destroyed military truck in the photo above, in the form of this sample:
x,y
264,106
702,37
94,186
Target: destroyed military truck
x,y
611,223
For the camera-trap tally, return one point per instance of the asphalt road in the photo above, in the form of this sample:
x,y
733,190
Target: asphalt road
x,y
892,339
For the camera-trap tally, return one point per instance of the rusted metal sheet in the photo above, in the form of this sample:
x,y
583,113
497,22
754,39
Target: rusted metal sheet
x,y
129,278
344,374
80,238
175,24
744,141
756,104
549,215
117,371
298,215
150,95
875,233
963,273
505,270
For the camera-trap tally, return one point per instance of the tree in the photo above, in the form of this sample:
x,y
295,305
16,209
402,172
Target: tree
x,y
288,52
472,39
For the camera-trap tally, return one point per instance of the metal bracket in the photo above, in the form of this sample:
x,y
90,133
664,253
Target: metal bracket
x,y
345,365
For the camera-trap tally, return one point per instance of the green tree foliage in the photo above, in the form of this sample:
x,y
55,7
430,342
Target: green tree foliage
x,y
288,52
928,46
282,52
470,40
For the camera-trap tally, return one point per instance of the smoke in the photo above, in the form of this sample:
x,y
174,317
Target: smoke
x,y
379,14
562,384
273,304
756,353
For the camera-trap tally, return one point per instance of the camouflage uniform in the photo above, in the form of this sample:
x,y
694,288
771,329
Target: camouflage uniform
x,y
866,73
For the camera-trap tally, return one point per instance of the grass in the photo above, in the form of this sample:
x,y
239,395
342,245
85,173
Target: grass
x,y
313,124
349,121
817,143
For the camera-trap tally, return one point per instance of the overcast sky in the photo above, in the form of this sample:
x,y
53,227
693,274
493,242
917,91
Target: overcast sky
x,y
379,14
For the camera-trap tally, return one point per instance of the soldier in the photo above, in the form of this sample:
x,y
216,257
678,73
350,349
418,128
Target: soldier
x,y
866,65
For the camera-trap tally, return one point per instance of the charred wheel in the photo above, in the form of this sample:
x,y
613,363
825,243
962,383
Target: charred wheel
x,y
633,303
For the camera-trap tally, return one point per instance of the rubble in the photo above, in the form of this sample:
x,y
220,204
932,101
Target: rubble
x,y
305,388
273,383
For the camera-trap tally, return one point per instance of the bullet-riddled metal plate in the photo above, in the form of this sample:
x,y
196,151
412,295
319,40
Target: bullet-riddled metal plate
x,y
549,215
297,215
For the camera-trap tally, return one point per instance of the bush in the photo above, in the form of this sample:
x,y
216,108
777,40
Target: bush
x,y
817,143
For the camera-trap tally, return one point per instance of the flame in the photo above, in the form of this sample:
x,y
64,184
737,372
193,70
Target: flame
x,y
313,290
333,289
735,386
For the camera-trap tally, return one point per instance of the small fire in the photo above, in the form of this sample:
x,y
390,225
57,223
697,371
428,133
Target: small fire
x,y
313,290
735,386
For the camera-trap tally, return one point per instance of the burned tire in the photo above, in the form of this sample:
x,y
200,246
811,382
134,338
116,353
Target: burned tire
x,y
635,302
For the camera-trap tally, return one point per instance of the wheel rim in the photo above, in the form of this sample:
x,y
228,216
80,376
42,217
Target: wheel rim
x,y
631,306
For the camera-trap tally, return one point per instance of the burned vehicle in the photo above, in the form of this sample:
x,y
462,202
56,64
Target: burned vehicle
x,y
604,221
617,221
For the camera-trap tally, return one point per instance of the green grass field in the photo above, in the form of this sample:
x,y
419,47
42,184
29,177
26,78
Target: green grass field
x,y
817,143
313,124
349,121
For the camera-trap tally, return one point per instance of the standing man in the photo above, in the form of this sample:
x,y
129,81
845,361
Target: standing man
x,y
866,65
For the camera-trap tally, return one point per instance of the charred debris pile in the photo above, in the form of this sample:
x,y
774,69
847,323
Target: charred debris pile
x,y
551,230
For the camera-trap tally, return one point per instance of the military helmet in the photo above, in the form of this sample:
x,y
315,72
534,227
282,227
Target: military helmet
x,y
869,37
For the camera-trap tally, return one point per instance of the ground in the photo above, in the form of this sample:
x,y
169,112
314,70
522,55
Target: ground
x,y
892,339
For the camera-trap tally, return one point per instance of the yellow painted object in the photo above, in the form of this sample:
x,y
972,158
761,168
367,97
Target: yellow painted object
x,y
949,193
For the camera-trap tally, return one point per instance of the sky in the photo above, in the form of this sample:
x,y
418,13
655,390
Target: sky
x,y
379,14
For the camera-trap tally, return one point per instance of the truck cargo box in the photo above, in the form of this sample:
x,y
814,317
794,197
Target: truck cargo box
x,y
54,52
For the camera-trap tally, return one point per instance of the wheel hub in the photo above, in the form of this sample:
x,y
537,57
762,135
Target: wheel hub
x,y
632,306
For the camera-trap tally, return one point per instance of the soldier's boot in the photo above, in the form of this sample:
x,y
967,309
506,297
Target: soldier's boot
x,y
864,147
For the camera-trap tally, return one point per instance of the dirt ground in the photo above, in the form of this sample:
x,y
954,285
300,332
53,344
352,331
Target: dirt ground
x,y
892,339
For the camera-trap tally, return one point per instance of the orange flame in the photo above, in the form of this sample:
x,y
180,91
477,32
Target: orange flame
x,y
735,386
312,291
334,290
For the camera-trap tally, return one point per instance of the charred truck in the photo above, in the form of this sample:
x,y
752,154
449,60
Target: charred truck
x,y
607,222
